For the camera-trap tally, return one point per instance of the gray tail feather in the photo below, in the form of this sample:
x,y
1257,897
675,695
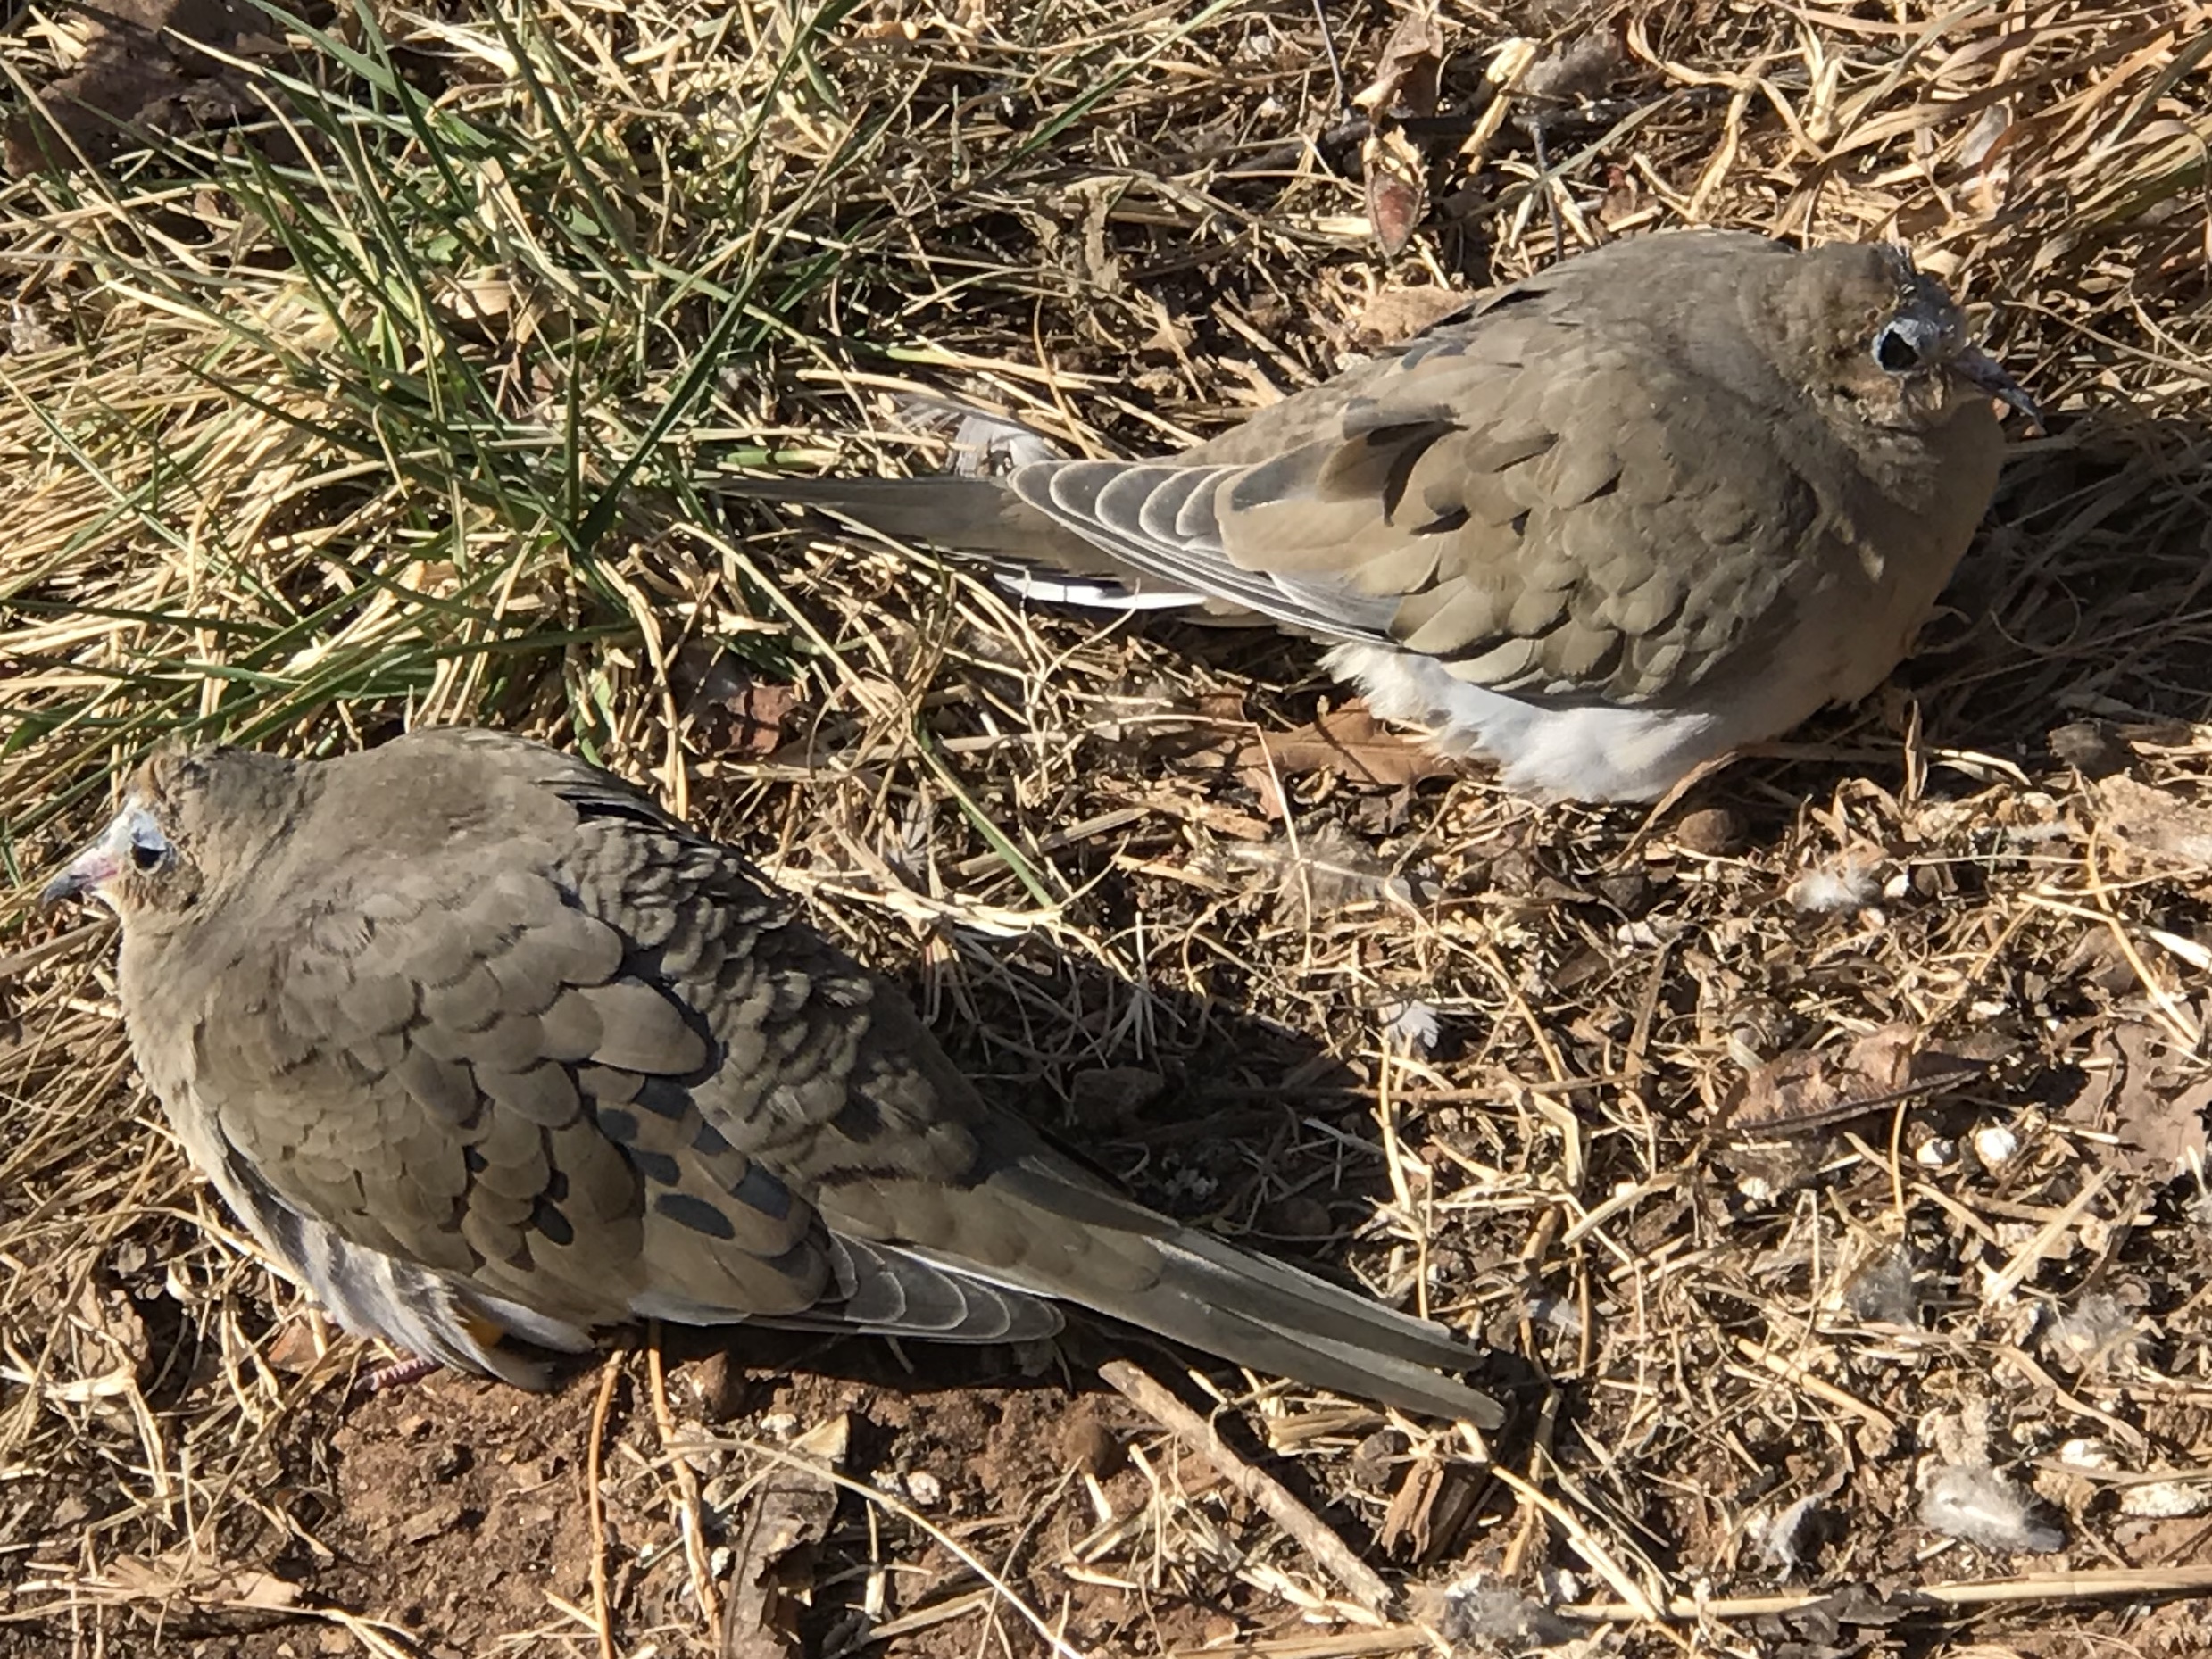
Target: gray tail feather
x,y
963,515
981,517
1272,1317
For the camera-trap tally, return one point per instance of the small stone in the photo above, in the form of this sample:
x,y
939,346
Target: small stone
x,y
1087,1443
1374,1460
1710,830
1629,892
722,1388
438,1520
1996,1146
1881,1290
2090,747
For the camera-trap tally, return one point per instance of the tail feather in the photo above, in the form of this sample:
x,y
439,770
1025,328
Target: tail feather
x,y
979,516
965,515
1273,1318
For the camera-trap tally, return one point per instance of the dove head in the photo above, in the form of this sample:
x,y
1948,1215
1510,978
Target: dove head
x,y
192,824
1883,344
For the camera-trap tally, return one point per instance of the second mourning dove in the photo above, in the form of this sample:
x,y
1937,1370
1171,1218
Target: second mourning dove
x,y
491,1053
1662,500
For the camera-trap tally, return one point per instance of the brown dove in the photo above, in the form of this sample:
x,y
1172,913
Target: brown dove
x,y
1662,500
491,1053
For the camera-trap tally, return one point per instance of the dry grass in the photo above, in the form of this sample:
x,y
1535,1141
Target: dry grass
x,y
396,403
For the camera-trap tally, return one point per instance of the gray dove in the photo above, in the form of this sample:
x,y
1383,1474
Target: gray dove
x,y
1661,501
491,1053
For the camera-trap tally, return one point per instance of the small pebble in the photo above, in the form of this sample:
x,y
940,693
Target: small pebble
x,y
1996,1146
1374,1460
2091,747
1086,1442
1710,830
2165,1500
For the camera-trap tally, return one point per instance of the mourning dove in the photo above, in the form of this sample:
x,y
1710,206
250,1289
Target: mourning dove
x,y
1662,500
491,1053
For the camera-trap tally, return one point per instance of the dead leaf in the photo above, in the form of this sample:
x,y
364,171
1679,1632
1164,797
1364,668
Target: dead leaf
x,y
732,712
2162,830
1407,75
1404,88
1348,741
140,74
2156,1119
298,1346
177,1577
1395,313
792,1509
1397,182
1804,1089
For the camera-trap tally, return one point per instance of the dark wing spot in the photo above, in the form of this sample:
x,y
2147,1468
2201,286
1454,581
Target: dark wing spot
x,y
858,1119
657,1166
665,1098
617,1125
552,1223
1520,522
695,1213
762,1193
1443,524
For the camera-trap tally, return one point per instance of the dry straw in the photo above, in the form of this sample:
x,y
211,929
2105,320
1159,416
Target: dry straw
x,y
394,399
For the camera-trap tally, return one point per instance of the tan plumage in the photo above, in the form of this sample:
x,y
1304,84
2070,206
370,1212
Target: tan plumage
x,y
1663,500
492,1054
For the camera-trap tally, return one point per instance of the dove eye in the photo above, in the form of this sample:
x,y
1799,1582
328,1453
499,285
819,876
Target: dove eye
x,y
1903,346
149,848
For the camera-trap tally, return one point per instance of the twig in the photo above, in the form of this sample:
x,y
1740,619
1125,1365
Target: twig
x,y
2029,1256
2030,1587
1791,1370
920,1522
1592,1549
1273,1498
603,1615
1398,1639
686,1488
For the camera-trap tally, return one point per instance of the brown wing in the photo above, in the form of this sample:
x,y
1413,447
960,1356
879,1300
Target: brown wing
x,y
558,1057
1546,497
519,1028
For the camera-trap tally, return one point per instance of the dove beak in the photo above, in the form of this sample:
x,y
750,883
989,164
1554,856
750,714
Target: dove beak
x,y
1980,370
90,871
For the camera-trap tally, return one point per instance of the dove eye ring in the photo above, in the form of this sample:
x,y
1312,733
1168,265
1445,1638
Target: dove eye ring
x,y
149,848
1904,343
